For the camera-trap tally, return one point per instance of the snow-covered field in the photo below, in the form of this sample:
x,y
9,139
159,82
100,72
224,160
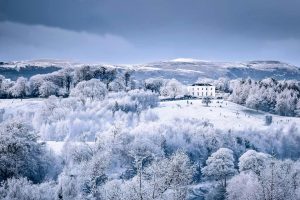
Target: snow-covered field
x,y
17,104
13,106
223,115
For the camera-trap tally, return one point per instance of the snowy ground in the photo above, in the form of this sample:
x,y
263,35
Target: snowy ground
x,y
17,105
222,114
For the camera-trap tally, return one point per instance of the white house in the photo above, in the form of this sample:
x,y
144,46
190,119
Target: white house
x,y
202,90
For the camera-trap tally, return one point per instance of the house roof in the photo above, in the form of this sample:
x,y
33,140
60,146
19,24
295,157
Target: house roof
x,y
201,84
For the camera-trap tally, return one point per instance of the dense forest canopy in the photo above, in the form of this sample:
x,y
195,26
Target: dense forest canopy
x,y
116,146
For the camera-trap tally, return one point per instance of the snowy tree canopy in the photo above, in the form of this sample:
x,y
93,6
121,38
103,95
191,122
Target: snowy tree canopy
x,y
244,186
220,165
20,88
92,89
280,97
154,84
47,89
21,155
173,89
253,161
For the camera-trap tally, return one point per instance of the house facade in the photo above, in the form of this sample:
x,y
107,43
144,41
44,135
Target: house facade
x,y
202,90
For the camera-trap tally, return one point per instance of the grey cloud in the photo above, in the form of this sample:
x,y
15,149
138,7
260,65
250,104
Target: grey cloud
x,y
205,29
255,18
37,41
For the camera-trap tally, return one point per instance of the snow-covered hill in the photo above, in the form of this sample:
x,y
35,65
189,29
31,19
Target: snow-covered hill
x,y
189,70
15,69
223,115
184,69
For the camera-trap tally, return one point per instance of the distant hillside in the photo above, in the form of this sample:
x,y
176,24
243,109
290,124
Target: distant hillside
x,y
183,69
15,69
189,70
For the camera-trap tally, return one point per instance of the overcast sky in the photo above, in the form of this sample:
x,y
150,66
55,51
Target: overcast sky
x,y
138,31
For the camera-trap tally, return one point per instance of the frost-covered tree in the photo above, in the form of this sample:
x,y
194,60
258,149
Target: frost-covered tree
x,y
132,101
154,84
265,178
164,178
280,97
21,155
20,89
220,166
107,75
47,89
281,180
222,84
286,103
145,99
244,186
85,171
174,174
67,75
5,85
116,190
35,82
93,89
2,91
172,88
22,189
117,85
240,90
254,101
94,172
127,78
254,161
83,73
206,100
69,186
